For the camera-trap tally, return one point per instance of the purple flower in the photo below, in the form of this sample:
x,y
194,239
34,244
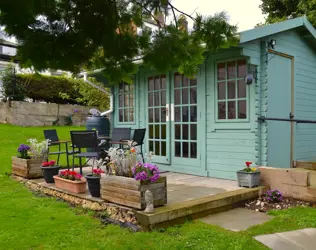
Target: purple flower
x,y
23,148
76,111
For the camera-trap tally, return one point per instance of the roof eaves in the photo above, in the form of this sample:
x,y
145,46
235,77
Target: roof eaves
x,y
309,27
271,29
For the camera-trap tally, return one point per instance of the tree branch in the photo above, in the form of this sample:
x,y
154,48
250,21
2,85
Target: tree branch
x,y
142,6
174,8
175,18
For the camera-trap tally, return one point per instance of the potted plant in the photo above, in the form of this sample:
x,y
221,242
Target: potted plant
x,y
127,179
94,182
49,170
248,177
28,161
70,181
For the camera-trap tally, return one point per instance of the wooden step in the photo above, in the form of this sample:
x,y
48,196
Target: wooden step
x,y
180,212
306,164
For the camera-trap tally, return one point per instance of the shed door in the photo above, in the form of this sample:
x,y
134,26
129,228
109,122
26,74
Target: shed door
x,y
280,138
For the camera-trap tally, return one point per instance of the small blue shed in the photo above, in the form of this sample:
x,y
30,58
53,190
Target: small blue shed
x,y
211,125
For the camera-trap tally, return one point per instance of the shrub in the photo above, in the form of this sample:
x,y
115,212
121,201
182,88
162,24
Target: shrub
x,y
10,86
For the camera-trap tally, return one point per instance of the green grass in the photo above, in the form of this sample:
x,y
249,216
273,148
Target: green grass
x,y
28,221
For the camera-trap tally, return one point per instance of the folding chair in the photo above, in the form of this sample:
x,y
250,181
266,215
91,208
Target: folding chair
x,y
120,136
51,134
84,140
138,137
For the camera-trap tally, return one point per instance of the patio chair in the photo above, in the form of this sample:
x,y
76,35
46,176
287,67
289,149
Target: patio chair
x,y
51,134
120,136
138,137
86,139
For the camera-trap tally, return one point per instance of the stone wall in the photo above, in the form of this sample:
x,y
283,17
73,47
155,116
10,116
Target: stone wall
x,y
296,183
41,114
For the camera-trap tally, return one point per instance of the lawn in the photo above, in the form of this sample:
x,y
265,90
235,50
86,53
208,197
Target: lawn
x,y
29,221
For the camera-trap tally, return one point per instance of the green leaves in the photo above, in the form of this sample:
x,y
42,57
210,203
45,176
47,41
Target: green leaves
x,y
92,34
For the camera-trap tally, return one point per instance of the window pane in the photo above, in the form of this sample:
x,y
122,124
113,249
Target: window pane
x,y
157,148
151,84
151,146
163,98
221,89
157,101
193,98
193,132
163,148
241,89
177,80
131,114
121,115
231,70
157,131
185,96
193,113
126,115
185,149
231,89
177,146
151,131
157,115
131,87
163,131
232,110
185,114
222,110
126,100
193,150
151,115
163,114
177,131
193,82
185,132
157,83
150,99
185,81
121,101
126,87
177,96
163,82
221,71
177,114
242,109
131,99
242,68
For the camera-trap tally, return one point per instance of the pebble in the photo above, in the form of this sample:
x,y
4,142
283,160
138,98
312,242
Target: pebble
x,y
257,210
258,203
278,207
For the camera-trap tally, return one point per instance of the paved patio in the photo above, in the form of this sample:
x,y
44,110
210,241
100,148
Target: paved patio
x,y
180,187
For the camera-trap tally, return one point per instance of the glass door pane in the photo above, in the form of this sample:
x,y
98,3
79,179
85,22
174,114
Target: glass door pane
x,y
157,123
185,123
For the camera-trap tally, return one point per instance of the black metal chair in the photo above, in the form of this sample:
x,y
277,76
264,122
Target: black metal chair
x,y
120,136
86,139
51,134
138,138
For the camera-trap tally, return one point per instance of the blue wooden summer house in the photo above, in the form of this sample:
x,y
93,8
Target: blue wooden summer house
x,y
253,102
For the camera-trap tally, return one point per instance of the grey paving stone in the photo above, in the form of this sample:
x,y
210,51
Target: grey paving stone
x,y
275,242
236,219
305,240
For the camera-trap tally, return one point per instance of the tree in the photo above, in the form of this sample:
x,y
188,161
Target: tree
x,y
74,35
279,10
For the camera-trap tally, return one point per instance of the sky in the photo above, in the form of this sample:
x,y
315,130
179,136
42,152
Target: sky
x,y
243,13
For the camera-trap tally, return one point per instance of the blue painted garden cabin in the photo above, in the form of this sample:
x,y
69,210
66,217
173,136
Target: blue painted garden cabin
x,y
209,125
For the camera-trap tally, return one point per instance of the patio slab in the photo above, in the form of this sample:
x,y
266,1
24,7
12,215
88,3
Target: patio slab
x,y
293,240
237,219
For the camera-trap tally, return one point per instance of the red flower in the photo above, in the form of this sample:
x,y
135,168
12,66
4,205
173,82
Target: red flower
x,y
248,163
52,162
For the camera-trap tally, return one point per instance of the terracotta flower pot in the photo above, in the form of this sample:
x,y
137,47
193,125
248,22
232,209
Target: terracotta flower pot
x,y
71,186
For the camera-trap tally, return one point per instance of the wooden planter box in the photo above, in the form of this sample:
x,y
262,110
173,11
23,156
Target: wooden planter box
x,y
76,187
27,168
251,179
131,193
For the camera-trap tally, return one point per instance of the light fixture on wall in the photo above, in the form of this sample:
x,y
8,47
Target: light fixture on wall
x,y
251,75
272,43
